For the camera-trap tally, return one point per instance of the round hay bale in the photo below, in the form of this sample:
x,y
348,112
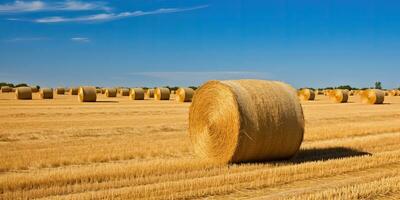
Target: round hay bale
x,y
23,93
372,96
13,89
5,89
60,91
161,94
339,96
87,94
111,92
46,93
149,93
173,92
74,91
34,89
391,93
306,94
136,94
124,92
184,95
103,90
351,93
98,91
246,120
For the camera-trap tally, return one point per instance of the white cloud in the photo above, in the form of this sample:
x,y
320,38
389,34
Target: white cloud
x,y
80,39
26,39
113,16
36,6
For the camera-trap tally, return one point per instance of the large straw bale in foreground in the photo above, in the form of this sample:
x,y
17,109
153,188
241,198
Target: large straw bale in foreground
x,y
74,91
184,95
111,92
136,94
46,93
339,96
245,120
5,89
372,96
149,93
87,94
124,91
306,94
60,91
23,93
162,93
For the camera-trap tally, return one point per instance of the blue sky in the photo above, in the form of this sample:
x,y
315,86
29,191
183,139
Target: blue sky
x,y
148,43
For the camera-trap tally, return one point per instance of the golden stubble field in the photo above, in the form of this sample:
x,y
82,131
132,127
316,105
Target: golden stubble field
x,y
123,149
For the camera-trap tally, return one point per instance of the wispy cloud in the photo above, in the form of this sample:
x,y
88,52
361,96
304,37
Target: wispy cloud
x,y
26,39
112,16
36,6
80,39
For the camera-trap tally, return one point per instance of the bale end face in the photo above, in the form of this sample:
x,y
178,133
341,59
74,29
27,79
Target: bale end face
x,y
136,94
339,96
245,120
372,96
162,94
87,94
306,95
111,92
184,95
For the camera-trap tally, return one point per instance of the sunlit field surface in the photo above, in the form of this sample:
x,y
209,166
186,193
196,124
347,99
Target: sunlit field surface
x,y
119,148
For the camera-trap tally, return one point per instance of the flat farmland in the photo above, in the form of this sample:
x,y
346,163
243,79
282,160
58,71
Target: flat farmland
x,y
123,149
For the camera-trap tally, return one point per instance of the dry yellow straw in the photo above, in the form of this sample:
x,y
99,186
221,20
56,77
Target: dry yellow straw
x,y
162,94
46,93
339,96
245,120
306,95
23,93
87,94
372,96
184,95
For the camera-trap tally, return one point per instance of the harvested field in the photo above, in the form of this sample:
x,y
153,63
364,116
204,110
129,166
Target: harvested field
x,y
124,149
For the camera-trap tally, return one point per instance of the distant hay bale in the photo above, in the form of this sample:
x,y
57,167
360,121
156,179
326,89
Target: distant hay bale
x,y
34,89
173,92
87,94
74,91
13,89
149,93
46,93
245,120
60,91
351,93
184,95
136,94
392,93
161,93
372,96
111,92
98,91
124,92
306,95
339,96
5,89
103,90
23,93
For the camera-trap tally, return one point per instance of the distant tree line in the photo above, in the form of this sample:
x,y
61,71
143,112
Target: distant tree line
x,y
15,85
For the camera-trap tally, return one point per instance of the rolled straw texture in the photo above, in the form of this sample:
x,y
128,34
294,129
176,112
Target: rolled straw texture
x,y
23,93
136,94
46,93
339,96
372,96
161,94
111,92
245,120
306,94
87,94
184,95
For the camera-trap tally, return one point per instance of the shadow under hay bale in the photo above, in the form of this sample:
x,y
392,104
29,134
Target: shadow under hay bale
x,y
320,154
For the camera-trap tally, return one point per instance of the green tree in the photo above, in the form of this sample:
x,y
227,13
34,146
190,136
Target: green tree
x,y
378,85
